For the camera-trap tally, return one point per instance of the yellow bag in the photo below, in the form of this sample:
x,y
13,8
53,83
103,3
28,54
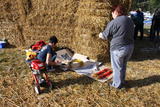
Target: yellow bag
x,y
76,63
30,54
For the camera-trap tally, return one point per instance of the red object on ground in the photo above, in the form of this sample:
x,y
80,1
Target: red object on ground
x,y
102,71
106,74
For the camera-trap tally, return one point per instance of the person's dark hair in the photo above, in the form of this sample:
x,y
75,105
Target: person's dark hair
x,y
53,39
120,9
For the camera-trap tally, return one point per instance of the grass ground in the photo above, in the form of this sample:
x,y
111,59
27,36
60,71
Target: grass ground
x,y
73,90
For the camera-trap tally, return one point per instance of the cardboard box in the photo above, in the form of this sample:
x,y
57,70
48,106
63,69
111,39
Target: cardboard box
x,y
64,56
80,57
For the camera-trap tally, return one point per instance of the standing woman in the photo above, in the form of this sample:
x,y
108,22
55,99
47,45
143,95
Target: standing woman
x,y
121,33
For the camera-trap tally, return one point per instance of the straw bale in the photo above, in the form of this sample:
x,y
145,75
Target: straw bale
x,y
9,19
89,24
76,23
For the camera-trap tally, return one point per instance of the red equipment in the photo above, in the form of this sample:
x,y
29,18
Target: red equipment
x,y
38,45
104,73
39,74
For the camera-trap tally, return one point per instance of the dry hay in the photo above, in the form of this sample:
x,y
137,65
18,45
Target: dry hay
x,y
9,17
73,90
76,23
92,18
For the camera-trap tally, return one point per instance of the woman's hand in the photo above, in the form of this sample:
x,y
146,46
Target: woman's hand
x,y
101,35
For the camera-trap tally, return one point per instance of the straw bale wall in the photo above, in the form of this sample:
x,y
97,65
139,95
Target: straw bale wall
x,y
76,23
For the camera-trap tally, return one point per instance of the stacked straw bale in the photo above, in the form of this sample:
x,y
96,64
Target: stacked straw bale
x,y
51,17
9,19
92,18
76,23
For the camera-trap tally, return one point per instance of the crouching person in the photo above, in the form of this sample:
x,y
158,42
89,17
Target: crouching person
x,y
47,54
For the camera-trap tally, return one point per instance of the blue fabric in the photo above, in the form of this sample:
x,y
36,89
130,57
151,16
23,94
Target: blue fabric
x,y
119,58
54,57
44,51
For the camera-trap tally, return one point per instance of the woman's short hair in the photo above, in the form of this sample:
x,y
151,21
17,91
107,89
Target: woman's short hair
x,y
121,10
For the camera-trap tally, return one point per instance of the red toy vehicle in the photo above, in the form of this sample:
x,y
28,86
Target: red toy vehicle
x,y
39,71
40,78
